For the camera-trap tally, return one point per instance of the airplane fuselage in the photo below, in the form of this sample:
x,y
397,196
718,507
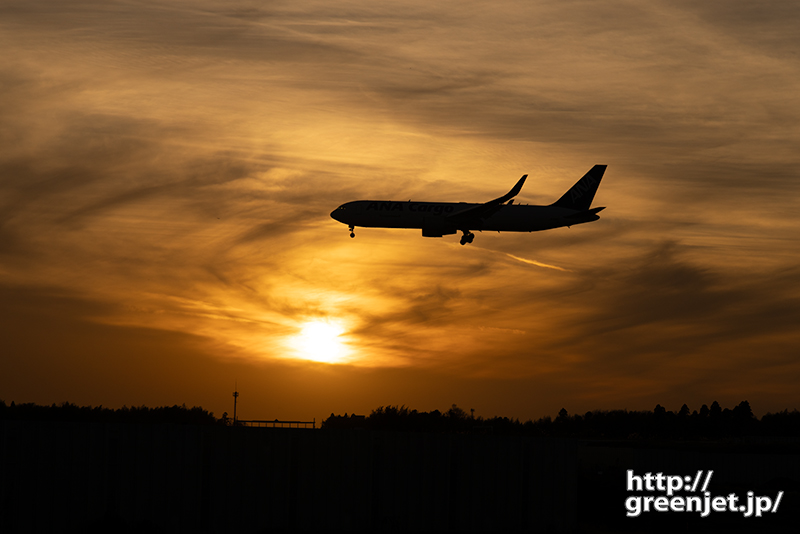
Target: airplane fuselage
x,y
432,215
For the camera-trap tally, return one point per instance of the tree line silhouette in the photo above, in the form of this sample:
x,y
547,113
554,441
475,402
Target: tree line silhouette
x,y
709,423
135,414
712,422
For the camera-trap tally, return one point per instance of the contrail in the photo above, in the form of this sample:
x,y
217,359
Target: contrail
x,y
538,263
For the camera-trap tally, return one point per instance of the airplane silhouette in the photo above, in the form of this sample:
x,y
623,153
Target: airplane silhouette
x,y
437,219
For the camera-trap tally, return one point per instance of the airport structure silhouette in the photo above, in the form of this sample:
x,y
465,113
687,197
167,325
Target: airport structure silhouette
x,y
67,468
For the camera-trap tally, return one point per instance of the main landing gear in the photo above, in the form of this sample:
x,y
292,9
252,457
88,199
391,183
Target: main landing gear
x,y
467,237
352,231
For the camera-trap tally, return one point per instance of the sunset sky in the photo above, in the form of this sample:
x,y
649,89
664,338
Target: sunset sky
x,y
167,171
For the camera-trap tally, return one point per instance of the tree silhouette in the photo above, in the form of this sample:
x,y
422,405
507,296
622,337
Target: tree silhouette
x,y
659,424
135,414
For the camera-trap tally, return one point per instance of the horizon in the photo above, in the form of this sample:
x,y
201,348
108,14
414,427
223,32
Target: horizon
x,y
409,409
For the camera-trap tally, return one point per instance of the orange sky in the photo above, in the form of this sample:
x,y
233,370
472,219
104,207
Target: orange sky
x,y
167,170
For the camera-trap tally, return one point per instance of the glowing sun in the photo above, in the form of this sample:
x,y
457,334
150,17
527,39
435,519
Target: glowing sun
x,y
319,341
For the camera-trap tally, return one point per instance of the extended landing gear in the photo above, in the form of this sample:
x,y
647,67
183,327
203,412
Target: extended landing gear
x,y
467,237
352,231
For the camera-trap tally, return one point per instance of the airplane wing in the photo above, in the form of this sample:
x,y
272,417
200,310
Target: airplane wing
x,y
485,210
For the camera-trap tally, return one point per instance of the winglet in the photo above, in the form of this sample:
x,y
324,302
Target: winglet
x,y
482,211
511,194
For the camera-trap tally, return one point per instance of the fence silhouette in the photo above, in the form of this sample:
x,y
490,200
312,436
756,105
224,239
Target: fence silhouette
x,y
278,424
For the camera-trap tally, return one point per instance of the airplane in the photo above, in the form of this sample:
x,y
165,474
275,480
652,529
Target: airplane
x,y
437,219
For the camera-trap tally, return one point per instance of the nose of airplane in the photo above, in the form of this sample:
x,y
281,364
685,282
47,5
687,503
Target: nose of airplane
x,y
344,213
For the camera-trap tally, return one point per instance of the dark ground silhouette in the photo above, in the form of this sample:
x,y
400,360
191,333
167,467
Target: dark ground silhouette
x,y
67,468
712,423
707,424
135,414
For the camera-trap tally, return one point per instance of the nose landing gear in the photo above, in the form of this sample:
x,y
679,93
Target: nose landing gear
x,y
352,231
467,237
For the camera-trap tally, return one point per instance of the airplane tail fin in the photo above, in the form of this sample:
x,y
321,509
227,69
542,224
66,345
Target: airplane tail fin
x,y
581,195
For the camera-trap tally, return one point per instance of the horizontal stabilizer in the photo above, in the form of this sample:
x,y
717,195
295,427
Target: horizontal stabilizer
x,y
581,214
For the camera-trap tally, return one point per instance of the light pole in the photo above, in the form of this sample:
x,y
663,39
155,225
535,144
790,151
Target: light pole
x,y
235,396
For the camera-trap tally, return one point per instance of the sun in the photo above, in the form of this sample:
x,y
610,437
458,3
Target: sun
x,y
319,341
